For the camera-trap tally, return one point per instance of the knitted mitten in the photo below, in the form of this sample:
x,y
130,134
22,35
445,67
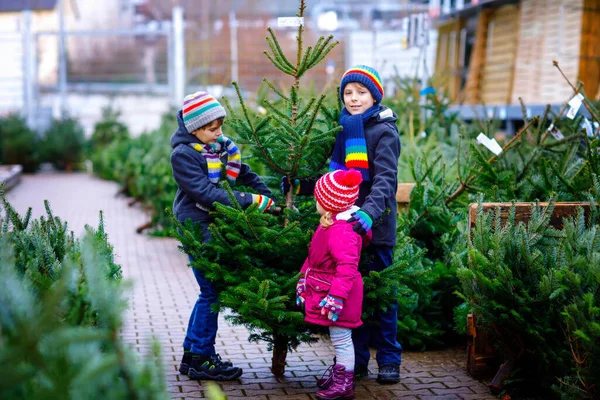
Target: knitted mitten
x,y
364,222
333,306
300,292
264,203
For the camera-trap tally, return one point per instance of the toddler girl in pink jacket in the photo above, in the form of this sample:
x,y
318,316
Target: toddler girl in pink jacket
x,y
331,287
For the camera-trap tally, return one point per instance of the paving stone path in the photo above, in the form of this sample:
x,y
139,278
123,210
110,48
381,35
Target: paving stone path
x,y
164,291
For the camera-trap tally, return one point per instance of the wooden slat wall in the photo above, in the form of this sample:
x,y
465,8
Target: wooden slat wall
x,y
447,56
589,61
500,54
476,64
545,36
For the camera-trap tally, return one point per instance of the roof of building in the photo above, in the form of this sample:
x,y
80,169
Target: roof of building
x,y
21,5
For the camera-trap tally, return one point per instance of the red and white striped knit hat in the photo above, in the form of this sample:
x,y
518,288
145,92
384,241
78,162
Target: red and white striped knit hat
x,y
337,191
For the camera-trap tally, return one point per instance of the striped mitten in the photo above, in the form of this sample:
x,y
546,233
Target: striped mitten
x,y
264,203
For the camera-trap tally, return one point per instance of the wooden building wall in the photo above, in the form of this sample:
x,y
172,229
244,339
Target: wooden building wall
x,y
208,53
448,65
589,59
550,30
500,54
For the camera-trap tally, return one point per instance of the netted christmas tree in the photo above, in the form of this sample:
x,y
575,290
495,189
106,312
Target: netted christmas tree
x,y
254,258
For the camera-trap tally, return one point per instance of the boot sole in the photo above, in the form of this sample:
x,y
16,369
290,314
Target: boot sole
x,y
200,375
184,368
388,381
345,397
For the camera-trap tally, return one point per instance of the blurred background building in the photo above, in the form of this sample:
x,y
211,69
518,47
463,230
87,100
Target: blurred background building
x,y
142,56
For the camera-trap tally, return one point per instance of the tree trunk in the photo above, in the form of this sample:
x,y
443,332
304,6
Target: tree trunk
x,y
279,354
503,373
143,227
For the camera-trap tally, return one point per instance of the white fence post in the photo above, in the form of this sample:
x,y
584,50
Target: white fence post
x,y
179,55
28,71
233,25
62,60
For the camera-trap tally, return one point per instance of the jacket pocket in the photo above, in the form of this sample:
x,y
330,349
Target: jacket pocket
x,y
317,289
317,284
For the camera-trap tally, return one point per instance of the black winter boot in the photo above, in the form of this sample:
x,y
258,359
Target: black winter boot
x,y
212,368
389,373
186,361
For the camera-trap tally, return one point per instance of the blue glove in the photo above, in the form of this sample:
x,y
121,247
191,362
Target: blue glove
x,y
332,306
364,222
285,186
300,187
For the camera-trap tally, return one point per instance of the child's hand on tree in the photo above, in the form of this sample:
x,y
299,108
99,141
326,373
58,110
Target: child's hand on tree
x,y
364,222
264,203
332,306
301,292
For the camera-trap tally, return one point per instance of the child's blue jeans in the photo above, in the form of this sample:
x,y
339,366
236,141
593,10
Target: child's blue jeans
x,y
381,332
202,327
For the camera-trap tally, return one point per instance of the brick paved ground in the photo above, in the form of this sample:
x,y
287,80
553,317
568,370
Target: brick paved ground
x,y
164,291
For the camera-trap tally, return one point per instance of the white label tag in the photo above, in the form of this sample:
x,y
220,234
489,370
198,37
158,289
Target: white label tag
x,y
574,103
491,144
588,127
556,134
290,21
576,100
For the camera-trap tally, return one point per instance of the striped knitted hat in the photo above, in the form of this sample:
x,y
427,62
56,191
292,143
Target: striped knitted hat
x,y
200,109
365,75
338,190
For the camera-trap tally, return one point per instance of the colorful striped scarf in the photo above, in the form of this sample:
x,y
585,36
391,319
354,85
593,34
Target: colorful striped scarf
x,y
213,154
350,148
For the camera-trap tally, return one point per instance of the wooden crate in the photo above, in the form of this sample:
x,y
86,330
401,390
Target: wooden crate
x,y
523,211
403,195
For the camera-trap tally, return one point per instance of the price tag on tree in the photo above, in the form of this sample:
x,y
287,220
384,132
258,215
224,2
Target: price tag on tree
x,y
574,105
491,144
290,21
556,134
589,130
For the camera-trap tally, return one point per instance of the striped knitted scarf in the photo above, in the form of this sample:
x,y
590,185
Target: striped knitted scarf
x,y
350,149
213,154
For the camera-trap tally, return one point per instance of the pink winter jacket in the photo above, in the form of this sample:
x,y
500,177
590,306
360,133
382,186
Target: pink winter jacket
x,y
331,267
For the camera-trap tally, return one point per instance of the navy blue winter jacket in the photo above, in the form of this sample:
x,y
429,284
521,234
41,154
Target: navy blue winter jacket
x,y
377,197
196,193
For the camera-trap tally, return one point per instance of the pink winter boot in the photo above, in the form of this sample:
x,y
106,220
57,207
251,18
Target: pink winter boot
x,y
326,380
342,387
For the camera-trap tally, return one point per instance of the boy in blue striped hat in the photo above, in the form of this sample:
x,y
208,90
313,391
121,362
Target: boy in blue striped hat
x,y
369,142
201,157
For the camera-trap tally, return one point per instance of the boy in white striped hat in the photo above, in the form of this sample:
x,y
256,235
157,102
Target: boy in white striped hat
x,y
202,156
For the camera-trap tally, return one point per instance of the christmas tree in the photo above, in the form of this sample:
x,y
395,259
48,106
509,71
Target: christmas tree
x,y
254,258
62,310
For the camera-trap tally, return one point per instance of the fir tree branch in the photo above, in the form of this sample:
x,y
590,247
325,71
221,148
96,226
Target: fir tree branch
x,y
586,102
279,65
303,67
468,181
265,154
242,104
277,91
278,50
